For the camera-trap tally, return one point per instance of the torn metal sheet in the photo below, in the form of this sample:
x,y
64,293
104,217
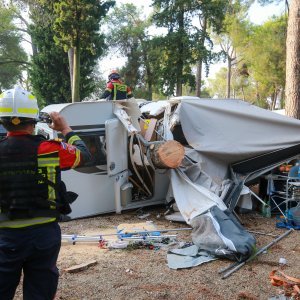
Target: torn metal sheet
x,y
128,113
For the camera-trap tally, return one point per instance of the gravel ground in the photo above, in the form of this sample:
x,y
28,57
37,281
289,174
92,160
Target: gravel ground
x,y
122,274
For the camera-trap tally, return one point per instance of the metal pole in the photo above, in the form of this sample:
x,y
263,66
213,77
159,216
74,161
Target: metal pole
x,y
258,198
229,267
131,233
256,254
75,239
147,231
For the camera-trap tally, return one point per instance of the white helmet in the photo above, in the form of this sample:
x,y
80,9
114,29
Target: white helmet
x,y
18,103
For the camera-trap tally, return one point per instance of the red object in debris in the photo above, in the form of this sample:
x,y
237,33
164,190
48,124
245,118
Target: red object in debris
x,y
102,244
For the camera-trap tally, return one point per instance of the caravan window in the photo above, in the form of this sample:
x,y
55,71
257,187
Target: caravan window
x,y
95,141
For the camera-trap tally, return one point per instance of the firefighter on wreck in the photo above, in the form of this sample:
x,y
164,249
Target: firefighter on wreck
x,y
116,89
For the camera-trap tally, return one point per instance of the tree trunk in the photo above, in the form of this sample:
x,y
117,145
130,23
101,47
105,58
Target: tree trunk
x,y
199,78
200,62
273,100
76,76
149,75
149,84
179,66
228,76
243,92
168,155
71,64
150,91
292,90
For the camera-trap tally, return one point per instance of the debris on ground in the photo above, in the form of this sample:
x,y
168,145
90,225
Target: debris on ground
x,y
81,267
148,274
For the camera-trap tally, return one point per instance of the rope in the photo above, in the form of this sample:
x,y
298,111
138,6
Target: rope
x,y
134,167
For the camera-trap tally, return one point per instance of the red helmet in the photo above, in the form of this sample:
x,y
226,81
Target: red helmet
x,y
114,74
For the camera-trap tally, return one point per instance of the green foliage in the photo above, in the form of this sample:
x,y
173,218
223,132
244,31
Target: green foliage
x,y
76,27
217,85
266,57
12,57
78,21
181,47
50,74
259,73
161,64
128,35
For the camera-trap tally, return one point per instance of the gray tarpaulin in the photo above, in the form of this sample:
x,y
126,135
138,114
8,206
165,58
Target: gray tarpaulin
x,y
187,257
192,199
228,131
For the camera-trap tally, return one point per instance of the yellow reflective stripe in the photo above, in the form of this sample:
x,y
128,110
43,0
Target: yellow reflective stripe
x,y
73,139
6,109
26,222
121,87
51,163
48,161
51,177
31,97
26,110
77,160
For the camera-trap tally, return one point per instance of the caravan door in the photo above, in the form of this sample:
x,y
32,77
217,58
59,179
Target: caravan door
x,y
116,147
117,159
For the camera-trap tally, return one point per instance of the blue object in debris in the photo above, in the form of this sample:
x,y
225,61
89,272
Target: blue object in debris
x,y
287,225
138,233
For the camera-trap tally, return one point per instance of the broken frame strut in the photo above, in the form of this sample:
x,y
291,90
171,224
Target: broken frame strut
x,y
237,265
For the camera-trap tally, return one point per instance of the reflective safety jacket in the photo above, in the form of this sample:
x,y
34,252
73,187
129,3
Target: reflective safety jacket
x,y
116,90
30,177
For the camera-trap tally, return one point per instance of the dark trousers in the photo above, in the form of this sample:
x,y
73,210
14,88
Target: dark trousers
x,y
33,250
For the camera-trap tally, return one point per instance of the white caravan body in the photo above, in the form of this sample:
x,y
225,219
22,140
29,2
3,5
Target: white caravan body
x,y
103,186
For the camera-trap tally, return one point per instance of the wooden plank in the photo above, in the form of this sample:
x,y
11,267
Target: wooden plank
x,y
81,267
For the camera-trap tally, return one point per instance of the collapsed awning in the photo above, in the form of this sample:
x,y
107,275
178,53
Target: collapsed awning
x,y
227,143
234,132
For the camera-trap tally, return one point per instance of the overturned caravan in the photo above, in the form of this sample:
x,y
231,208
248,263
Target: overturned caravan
x,y
228,143
104,185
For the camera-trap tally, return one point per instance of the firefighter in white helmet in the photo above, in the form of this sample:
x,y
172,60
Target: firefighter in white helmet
x,y
32,195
